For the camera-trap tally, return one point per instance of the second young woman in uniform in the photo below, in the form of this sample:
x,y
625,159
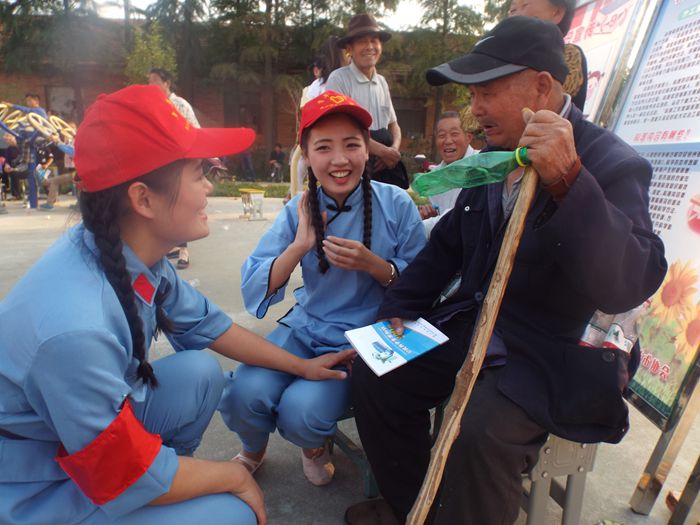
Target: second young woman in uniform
x,y
352,237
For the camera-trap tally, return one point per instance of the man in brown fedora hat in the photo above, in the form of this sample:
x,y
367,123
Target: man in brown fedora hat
x,y
360,81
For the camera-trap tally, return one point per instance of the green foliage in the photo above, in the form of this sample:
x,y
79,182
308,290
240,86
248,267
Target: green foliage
x,y
150,50
25,32
496,10
174,11
412,53
462,97
344,9
449,17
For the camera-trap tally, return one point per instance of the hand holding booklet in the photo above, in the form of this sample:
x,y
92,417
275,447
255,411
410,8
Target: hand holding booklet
x,y
383,350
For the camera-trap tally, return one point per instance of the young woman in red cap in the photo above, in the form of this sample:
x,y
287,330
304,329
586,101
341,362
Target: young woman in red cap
x,y
90,431
352,237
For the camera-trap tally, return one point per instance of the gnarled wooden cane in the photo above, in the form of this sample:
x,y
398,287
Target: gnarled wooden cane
x,y
477,350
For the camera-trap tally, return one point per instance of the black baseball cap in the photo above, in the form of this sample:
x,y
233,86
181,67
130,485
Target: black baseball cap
x,y
517,43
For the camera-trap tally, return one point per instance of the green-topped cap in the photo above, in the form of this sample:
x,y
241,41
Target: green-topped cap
x,y
521,156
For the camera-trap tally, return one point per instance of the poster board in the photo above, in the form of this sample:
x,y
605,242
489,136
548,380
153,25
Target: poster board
x,y
600,29
660,118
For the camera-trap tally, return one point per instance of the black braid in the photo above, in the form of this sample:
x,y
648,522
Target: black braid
x,y
163,323
317,222
100,211
367,199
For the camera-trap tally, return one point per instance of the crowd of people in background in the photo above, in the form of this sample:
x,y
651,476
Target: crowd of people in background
x,y
39,157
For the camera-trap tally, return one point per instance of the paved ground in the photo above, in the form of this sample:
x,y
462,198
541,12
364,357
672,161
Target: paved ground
x,y
291,500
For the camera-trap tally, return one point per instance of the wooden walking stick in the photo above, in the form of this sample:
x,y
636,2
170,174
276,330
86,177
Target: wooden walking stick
x,y
477,350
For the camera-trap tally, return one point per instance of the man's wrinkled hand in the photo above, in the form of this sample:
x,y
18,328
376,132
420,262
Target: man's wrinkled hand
x,y
388,158
549,139
426,211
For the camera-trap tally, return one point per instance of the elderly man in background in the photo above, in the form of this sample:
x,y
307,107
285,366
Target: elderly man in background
x,y
452,142
360,81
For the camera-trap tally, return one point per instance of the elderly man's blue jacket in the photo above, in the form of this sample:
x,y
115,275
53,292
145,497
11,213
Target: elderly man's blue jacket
x,y
595,250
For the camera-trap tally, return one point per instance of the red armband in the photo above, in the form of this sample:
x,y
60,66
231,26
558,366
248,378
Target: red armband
x,y
114,460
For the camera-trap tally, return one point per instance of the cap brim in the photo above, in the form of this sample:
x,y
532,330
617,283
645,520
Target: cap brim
x,y
474,68
358,112
219,142
384,36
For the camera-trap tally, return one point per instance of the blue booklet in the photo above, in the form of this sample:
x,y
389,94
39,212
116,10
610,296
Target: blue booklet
x,y
383,350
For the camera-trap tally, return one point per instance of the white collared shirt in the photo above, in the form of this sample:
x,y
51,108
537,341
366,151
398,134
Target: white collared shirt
x,y
370,93
185,109
444,202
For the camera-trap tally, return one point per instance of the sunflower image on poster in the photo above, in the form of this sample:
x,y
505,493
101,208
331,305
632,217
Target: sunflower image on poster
x,y
669,336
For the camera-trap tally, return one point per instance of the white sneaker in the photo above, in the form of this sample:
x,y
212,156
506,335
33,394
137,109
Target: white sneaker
x,y
319,470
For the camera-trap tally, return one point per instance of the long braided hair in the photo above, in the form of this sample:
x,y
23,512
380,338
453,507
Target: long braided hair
x,y
314,207
101,212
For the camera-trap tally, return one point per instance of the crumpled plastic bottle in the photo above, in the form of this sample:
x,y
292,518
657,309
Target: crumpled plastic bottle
x,y
475,170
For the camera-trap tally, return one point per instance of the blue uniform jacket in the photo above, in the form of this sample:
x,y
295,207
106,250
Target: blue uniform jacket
x,y
596,250
67,367
339,300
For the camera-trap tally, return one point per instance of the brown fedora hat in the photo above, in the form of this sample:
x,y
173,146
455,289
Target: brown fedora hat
x,y
361,25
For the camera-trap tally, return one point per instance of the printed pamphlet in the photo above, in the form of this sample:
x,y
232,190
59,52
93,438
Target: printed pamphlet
x,y
383,350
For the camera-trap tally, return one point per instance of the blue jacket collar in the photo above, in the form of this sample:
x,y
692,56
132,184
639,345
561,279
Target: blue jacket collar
x,y
145,280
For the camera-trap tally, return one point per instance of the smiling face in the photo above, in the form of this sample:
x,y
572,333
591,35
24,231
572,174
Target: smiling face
x,y
498,104
451,140
336,150
184,219
365,52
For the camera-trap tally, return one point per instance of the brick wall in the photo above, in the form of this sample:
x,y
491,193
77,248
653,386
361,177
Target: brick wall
x,y
208,104
208,101
13,87
287,115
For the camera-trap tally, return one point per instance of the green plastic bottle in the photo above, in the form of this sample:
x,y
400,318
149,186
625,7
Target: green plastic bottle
x,y
475,170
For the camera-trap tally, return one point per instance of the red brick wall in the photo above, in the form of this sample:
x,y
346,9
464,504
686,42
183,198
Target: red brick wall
x,y
287,115
95,83
208,101
208,104
13,87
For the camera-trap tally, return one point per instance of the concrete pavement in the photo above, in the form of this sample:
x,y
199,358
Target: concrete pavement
x,y
291,500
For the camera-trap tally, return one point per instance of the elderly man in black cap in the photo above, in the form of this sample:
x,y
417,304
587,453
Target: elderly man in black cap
x,y
360,81
588,245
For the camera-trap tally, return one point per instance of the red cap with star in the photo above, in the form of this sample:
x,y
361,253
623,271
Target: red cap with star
x,y
136,130
332,102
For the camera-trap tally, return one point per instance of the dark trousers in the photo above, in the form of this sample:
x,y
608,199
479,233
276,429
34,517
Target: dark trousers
x,y
482,482
15,183
496,443
398,176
